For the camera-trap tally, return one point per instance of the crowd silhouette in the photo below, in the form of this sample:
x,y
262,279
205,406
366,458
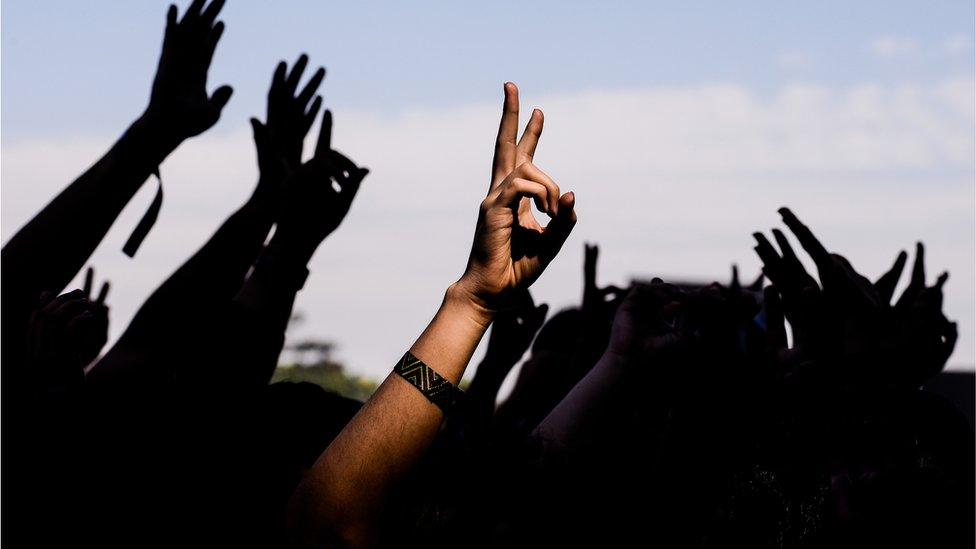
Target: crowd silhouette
x,y
783,413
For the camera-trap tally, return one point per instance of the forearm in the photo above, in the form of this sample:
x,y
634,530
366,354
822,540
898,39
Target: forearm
x,y
341,498
579,415
51,248
204,285
48,251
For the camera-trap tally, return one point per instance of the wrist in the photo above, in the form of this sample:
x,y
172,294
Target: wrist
x,y
461,299
288,249
152,135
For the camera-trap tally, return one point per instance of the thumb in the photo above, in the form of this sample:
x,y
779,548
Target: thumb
x,y
218,99
260,132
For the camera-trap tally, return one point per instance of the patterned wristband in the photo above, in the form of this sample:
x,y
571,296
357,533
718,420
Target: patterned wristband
x,y
438,390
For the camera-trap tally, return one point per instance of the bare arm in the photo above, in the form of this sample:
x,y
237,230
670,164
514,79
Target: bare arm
x,y
341,500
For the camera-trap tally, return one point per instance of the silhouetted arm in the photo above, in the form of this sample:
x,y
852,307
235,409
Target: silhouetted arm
x,y
642,337
341,499
312,210
203,287
47,252
512,332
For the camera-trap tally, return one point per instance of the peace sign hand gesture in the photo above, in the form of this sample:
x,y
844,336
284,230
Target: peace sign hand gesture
x,y
510,248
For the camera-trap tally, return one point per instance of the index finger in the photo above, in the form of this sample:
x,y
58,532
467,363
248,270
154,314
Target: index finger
x,y
505,148
821,257
324,144
103,293
89,274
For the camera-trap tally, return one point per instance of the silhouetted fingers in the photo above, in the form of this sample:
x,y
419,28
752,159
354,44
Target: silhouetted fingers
x,y
192,13
324,143
210,14
103,293
212,39
918,269
170,19
757,284
530,137
277,84
769,257
291,83
346,167
87,286
351,176
311,87
785,249
505,147
218,100
590,256
821,257
885,285
313,111
734,283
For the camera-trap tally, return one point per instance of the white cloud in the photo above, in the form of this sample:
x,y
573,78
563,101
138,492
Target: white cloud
x,y
670,180
893,46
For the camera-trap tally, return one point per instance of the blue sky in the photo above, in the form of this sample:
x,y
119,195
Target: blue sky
x,y
681,126
76,66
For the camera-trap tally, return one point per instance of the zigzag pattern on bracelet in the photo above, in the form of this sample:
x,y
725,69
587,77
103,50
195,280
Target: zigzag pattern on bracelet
x,y
438,390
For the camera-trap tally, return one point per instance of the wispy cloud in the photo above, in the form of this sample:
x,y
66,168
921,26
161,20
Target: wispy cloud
x,y
893,46
670,180
957,44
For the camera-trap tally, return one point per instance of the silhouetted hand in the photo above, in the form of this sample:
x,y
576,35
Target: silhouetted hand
x,y
510,248
648,324
318,195
847,323
63,337
755,286
98,335
924,336
595,298
179,105
280,140
513,329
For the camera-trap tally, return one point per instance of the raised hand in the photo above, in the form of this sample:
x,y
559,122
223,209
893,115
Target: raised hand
x,y
179,105
595,298
924,336
514,328
848,322
754,286
648,324
290,115
98,335
318,195
510,248
63,338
